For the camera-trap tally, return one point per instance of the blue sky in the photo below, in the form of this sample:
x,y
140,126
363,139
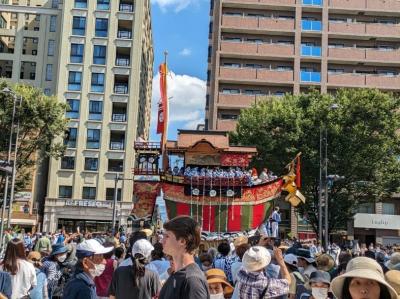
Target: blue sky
x,y
181,28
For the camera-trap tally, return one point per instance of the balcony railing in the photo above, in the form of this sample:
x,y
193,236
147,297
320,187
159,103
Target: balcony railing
x,y
313,2
310,76
114,145
310,25
121,89
144,171
119,117
147,145
124,34
312,51
126,7
122,61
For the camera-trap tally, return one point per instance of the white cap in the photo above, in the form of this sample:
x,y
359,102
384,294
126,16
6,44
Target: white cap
x,y
142,247
291,259
92,246
256,258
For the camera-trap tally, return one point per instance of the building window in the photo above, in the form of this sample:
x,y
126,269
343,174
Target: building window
x,y
101,27
78,25
53,24
93,139
80,4
115,165
67,162
54,3
95,110
89,193
103,4
77,53
97,82
70,137
99,55
65,192
388,208
51,48
73,109
110,194
49,72
74,81
91,164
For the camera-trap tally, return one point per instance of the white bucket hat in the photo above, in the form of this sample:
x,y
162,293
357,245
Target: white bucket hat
x,y
394,261
256,258
362,267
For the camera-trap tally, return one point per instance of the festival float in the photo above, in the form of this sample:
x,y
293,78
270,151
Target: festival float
x,y
214,183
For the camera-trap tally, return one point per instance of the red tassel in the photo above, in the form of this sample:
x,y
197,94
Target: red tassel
x,y
298,173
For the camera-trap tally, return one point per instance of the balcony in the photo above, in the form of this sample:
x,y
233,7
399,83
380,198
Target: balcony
x,y
313,2
121,88
236,100
383,29
310,77
346,80
124,34
347,28
376,5
357,54
380,55
263,49
120,118
371,29
384,82
250,74
311,25
126,7
257,23
226,125
117,145
122,61
310,51
348,4
268,2
346,53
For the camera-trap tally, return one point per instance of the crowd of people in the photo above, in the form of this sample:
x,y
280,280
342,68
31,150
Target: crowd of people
x,y
250,176
177,264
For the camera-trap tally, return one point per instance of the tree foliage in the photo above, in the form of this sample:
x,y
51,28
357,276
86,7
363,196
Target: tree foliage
x,y
41,120
363,145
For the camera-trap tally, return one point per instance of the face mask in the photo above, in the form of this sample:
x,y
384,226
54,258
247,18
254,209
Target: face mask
x,y
98,270
62,258
319,293
217,296
300,269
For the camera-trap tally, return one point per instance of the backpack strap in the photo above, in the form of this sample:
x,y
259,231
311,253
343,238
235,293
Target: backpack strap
x,y
265,290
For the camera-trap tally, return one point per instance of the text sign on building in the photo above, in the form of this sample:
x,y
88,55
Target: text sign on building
x,y
88,203
377,221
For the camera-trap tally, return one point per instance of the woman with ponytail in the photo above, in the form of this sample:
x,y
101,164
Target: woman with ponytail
x,y
40,290
136,281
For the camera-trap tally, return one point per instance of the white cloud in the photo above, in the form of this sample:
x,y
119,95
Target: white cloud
x,y
187,103
177,5
185,52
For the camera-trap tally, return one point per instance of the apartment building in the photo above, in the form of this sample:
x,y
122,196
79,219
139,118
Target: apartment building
x,y
272,47
97,56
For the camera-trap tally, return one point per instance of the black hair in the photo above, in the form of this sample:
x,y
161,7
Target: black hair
x,y
119,251
384,293
138,268
157,253
224,248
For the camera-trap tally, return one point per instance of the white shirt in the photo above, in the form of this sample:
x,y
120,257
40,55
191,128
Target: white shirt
x,y
24,280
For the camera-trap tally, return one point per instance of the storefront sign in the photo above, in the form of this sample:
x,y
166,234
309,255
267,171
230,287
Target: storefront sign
x,y
88,203
377,221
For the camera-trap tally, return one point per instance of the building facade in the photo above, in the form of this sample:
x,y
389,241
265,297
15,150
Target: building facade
x,y
97,56
261,48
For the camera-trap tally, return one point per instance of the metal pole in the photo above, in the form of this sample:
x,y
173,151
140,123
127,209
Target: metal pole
x,y
326,192
14,173
3,210
114,216
320,189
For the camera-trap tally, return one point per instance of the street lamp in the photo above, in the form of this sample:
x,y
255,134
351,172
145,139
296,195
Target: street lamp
x,y
114,216
6,90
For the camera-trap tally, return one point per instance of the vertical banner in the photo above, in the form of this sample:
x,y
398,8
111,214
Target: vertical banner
x,y
298,172
163,103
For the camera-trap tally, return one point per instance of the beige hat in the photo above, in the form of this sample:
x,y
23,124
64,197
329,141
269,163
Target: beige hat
x,y
240,240
393,278
256,258
394,260
362,267
325,262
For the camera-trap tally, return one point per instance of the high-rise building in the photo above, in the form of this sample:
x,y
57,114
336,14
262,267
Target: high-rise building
x,y
97,56
273,47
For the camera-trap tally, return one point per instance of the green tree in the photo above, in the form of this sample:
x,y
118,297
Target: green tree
x,y
363,145
41,121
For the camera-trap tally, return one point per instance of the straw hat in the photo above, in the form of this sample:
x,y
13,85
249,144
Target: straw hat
x,y
147,231
362,267
240,240
325,262
256,258
394,261
218,276
393,278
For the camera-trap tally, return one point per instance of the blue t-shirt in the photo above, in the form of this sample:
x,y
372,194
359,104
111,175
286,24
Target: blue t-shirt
x,y
5,284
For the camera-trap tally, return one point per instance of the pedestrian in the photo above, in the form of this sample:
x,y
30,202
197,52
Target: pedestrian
x,y
307,263
252,281
90,264
157,259
103,281
364,278
23,274
5,285
224,261
40,291
275,220
393,278
296,286
218,284
240,251
119,254
181,239
43,244
136,281
319,283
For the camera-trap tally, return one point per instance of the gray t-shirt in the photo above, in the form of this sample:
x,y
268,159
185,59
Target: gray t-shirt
x,y
122,284
188,282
